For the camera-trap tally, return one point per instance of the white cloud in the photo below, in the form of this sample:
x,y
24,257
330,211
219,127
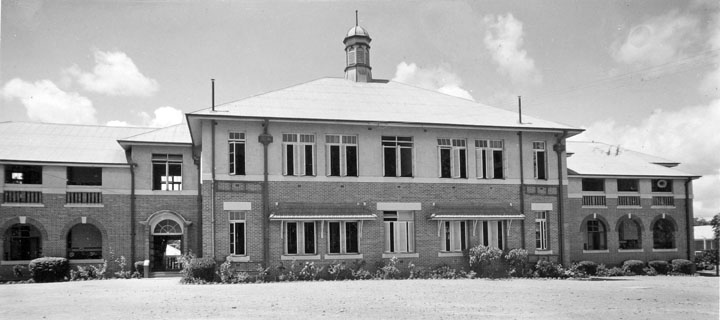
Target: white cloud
x,y
504,40
162,117
659,40
45,102
437,78
114,74
711,82
687,135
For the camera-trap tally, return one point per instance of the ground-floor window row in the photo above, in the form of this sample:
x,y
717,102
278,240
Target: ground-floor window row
x,y
301,239
629,233
25,242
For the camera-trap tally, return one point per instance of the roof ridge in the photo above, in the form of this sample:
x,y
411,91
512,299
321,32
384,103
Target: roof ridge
x,y
151,131
78,124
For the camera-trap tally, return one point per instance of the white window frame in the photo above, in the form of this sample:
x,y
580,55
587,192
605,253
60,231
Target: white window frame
x,y
167,159
236,140
541,239
236,218
455,146
343,237
398,146
298,141
454,231
495,237
487,162
399,233
300,237
342,142
538,148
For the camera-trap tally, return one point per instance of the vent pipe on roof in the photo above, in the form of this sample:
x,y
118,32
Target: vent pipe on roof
x,y
520,109
213,93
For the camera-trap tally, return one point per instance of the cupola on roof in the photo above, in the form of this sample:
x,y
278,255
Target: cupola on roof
x,y
357,31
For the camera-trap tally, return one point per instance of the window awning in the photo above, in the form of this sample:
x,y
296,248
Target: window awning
x,y
320,211
447,212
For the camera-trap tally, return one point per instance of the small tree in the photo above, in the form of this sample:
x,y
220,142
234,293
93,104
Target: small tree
x,y
715,222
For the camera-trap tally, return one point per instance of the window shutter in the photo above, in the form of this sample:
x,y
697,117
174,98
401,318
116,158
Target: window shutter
x,y
284,161
479,163
455,163
328,164
300,161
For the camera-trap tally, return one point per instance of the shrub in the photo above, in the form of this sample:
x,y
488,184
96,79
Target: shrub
x,y
518,264
49,269
487,262
603,271
197,270
588,267
18,270
682,266
707,259
225,273
574,272
661,266
309,271
390,269
548,269
122,264
650,271
633,267
139,266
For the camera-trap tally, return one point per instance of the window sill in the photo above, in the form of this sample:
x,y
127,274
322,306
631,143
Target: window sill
x,y
27,205
14,262
233,258
288,257
596,251
352,256
84,205
400,255
630,250
83,261
629,207
443,254
594,207
662,207
543,252
665,250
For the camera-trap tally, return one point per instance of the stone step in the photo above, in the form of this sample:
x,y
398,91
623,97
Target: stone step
x,y
165,274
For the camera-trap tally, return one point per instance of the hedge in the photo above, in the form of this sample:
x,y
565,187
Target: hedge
x,y
199,269
49,269
589,267
682,266
661,266
634,266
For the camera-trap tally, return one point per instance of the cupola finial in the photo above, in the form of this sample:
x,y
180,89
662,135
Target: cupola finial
x,y
357,53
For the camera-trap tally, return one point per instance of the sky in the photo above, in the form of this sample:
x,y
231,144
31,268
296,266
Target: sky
x,y
643,75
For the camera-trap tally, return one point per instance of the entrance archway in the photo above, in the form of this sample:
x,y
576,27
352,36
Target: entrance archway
x,y
166,240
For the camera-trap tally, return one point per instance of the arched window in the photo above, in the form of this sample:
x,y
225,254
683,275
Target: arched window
x,y
84,241
663,234
629,233
22,242
596,235
168,227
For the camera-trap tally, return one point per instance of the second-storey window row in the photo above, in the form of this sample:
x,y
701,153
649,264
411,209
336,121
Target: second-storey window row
x,y
452,157
397,156
167,172
236,143
341,155
489,159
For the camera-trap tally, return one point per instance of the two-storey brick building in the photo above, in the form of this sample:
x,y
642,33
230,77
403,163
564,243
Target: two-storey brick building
x,y
334,169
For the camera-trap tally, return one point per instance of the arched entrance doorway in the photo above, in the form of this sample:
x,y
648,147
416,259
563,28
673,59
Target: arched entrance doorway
x,y
166,240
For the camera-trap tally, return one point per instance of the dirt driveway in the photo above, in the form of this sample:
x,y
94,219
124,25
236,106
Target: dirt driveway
x,y
622,298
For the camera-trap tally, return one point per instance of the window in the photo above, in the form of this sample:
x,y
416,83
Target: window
x,y
236,143
493,234
452,155
539,160
663,234
399,231
541,242
455,237
596,237
84,241
167,227
627,185
298,154
397,156
661,185
237,232
167,171
22,242
84,176
342,157
489,155
591,184
300,238
23,174
343,237
629,234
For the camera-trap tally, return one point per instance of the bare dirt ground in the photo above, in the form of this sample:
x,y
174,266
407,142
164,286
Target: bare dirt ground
x,y
654,298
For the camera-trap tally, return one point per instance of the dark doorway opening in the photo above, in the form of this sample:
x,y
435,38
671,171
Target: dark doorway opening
x,y
164,252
